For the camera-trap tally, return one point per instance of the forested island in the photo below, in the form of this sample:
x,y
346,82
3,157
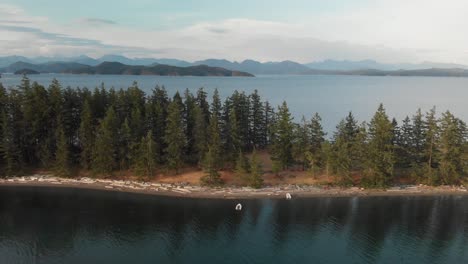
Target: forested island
x,y
26,72
117,68
241,140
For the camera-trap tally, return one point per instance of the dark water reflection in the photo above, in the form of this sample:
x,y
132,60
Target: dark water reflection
x,y
47,225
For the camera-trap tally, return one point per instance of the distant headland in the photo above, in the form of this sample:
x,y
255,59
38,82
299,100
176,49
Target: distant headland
x,y
116,68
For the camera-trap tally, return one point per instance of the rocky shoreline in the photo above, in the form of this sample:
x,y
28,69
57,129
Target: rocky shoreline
x,y
228,192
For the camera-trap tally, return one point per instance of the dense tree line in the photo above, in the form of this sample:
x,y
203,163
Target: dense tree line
x,y
108,131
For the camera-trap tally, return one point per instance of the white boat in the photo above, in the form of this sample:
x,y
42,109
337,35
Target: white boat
x,y
288,196
238,207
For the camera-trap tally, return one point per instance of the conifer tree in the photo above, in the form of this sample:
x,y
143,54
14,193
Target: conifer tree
x,y
70,120
126,145
174,137
452,142
145,163
136,99
234,134
47,147
216,105
86,135
429,151
212,176
14,143
348,149
256,171
9,150
62,156
216,125
317,137
342,160
269,122
242,168
178,100
241,105
136,123
359,148
317,133
418,138
257,117
282,138
302,144
25,85
226,128
404,156
354,137
395,132
189,116
157,119
104,156
243,117
36,124
381,155
199,134
350,129
327,156
214,141
203,104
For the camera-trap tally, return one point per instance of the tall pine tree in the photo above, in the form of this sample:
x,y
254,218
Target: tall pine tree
x,y
145,160
104,156
381,154
256,171
86,135
282,138
174,137
62,156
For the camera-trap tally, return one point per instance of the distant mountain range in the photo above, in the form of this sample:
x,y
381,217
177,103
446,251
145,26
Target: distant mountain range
x,y
436,72
251,66
255,67
147,66
83,59
346,65
120,69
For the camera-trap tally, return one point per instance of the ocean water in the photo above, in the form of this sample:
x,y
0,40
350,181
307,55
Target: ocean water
x,y
330,96
67,225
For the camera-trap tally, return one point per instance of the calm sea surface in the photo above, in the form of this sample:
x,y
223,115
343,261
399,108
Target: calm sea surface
x,y
61,225
331,96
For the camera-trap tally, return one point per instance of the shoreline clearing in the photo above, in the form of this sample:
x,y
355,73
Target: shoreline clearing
x,y
227,192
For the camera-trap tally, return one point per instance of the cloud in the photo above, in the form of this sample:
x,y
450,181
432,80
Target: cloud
x,y
13,22
97,21
218,30
387,31
31,41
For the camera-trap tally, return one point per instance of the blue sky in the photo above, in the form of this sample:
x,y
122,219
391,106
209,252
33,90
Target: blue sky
x,y
300,30
169,14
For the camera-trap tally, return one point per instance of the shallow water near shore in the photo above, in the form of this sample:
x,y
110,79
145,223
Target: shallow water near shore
x,y
70,225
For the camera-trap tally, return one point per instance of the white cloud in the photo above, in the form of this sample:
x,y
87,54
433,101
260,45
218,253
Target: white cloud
x,y
388,31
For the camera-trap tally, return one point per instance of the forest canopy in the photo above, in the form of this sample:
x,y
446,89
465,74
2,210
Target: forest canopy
x,y
106,130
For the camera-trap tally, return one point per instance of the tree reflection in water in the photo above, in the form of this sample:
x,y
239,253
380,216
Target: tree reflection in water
x,y
62,225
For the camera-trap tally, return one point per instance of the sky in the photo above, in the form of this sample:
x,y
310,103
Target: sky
x,y
389,31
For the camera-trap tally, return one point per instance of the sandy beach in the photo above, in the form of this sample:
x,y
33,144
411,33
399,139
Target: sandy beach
x,y
227,192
